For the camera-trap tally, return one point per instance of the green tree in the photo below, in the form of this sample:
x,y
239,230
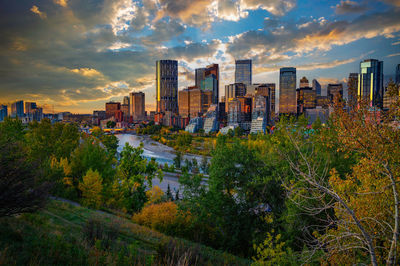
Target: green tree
x,y
135,173
111,124
178,159
91,187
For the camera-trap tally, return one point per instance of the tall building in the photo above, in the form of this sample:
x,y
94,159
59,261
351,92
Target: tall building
x,y
398,74
17,109
243,71
29,107
287,91
352,85
111,108
137,105
167,85
213,69
234,112
200,74
260,114
306,99
335,91
316,86
210,83
370,82
268,90
3,112
304,83
184,103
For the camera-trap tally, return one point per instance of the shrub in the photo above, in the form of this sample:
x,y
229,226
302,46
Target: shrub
x,y
96,232
164,217
154,195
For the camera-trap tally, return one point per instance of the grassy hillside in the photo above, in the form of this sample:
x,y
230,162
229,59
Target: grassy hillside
x,y
64,234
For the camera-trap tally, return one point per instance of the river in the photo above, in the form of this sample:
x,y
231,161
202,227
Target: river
x,y
161,153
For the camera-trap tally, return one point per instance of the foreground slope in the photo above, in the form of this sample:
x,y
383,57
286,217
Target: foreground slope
x,y
67,234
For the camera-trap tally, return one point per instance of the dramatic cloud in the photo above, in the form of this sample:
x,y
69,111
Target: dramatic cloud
x,y
275,7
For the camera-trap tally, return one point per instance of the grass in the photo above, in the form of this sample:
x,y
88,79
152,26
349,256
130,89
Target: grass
x,y
63,234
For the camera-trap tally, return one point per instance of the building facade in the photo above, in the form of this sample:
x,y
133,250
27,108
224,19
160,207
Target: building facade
x,y
398,74
287,93
111,108
137,103
268,90
304,83
17,109
335,91
352,85
184,103
243,71
233,91
316,86
167,86
370,82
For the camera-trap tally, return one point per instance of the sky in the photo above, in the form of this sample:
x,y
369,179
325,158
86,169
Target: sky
x,y
75,55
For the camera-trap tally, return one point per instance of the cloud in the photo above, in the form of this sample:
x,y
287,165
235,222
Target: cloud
x,y
392,2
36,10
347,7
275,7
62,3
87,72
392,55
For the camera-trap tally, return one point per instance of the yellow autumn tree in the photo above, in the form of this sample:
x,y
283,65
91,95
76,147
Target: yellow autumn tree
x,y
154,195
91,187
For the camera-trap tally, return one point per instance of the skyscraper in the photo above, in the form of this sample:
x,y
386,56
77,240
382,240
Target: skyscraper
x,y
398,74
167,86
17,109
316,86
352,85
199,76
213,69
184,103
335,91
137,105
268,90
210,83
243,71
370,82
287,91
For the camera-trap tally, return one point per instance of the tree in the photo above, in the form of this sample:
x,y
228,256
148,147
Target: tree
x,y
204,165
178,159
18,191
365,201
91,187
111,124
135,173
169,194
154,195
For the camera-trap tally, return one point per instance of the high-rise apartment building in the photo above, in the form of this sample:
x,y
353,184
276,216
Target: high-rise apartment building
x,y
243,71
287,91
233,91
370,82
137,104
398,74
111,108
167,86
352,85
17,109
316,86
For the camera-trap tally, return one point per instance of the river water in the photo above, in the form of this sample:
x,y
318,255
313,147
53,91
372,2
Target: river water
x,y
161,153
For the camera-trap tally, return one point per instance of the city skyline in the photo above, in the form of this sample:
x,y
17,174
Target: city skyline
x,y
77,55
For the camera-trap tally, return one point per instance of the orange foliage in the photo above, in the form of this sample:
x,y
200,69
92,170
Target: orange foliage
x,y
164,217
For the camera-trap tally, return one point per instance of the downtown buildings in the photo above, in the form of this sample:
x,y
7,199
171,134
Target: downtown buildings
x,y
287,94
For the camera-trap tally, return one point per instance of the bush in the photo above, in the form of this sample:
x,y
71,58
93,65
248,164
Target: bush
x,y
164,217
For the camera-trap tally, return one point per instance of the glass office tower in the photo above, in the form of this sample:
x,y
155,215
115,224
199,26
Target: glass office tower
x,y
243,71
370,82
287,91
167,85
